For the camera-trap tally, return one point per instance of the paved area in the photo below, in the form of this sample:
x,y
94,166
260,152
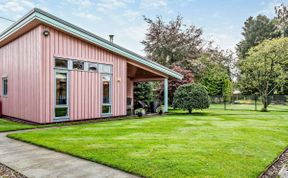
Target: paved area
x,y
284,171
36,162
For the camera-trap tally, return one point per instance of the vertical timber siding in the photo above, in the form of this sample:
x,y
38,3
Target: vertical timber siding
x,y
20,62
84,90
130,88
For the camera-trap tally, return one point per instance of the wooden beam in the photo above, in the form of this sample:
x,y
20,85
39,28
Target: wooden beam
x,y
147,69
148,79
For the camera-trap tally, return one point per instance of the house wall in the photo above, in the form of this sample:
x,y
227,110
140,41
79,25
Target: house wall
x,y
20,62
84,86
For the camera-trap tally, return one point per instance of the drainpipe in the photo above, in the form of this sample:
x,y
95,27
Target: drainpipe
x,y
166,95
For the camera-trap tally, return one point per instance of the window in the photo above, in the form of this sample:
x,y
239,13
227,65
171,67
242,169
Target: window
x,y
106,94
105,68
78,65
5,86
61,94
93,67
61,63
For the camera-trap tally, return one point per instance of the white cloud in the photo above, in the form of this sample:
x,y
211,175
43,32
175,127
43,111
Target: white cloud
x,y
106,5
223,40
131,15
88,16
130,37
153,4
81,3
16,6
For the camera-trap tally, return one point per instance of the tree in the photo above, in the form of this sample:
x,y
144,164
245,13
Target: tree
x,y
213,79
173,42
211,57
191,96
282,19
188,77
265,67
255,31
227,90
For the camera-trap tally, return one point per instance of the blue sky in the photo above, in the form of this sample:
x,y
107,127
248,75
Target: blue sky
x,y
221,21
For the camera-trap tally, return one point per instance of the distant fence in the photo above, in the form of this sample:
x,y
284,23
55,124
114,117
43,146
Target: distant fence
x,y
247,102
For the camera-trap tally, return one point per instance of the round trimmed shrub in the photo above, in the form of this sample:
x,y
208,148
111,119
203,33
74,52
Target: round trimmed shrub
x,y
191,96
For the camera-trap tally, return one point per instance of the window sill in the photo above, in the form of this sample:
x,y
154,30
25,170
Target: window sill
x,y
107,115
61,119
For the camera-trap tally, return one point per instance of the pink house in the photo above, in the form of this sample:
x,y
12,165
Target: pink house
x,y
53,71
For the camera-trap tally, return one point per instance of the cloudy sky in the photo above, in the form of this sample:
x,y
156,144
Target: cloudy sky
x,y
221,21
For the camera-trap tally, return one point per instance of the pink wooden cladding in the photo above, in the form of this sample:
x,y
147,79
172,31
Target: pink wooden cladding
x,y
20,61
84,91
130,88
84,95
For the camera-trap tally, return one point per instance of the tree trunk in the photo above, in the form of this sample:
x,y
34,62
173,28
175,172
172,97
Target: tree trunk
x,y
190,111
265,103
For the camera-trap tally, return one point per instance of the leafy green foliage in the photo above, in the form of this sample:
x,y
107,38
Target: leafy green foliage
x,y
255,31
188,77
143,91
191,96
266,67
213,79
281,19
227,90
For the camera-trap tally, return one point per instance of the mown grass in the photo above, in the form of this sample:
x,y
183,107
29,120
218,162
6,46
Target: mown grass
x,y
6,125
209,143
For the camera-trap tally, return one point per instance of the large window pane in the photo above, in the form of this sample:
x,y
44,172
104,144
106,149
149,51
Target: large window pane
x,y
106,109
5,86
61,63
93,67
106,94
105,68
61,88
106,80
78,65
61,112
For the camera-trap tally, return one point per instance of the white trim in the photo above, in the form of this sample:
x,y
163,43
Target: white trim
x,y
62,118
110,94
3,79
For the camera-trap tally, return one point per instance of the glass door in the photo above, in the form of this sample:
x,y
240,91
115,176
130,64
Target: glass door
x,y
61,95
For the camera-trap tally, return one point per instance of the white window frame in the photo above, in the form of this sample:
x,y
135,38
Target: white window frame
x,y
93,63
62,68
61,118
3,86
110,95
100,66
78,61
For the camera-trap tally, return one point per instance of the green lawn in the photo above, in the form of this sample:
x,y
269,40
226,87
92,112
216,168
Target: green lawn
x,y
210,143
6,125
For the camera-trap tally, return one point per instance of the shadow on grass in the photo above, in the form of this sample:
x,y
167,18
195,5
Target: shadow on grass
x,y
173,113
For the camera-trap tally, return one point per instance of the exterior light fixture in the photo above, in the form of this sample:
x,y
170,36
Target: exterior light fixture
x,y
46,33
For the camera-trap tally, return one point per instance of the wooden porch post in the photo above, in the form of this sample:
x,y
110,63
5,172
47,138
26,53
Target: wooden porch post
x,y
166,95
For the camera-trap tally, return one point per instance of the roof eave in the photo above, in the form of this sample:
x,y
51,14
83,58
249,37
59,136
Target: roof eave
x,y
81,33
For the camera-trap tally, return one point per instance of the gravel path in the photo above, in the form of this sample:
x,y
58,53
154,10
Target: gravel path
x,y
6,172
279,164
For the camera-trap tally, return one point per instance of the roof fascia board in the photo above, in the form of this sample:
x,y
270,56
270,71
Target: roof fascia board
x,y
19,25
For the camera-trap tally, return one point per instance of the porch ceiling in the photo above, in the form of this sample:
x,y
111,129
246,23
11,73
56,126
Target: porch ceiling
x,y
138,73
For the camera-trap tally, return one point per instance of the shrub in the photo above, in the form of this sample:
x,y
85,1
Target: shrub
x,y
191,96
143,91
